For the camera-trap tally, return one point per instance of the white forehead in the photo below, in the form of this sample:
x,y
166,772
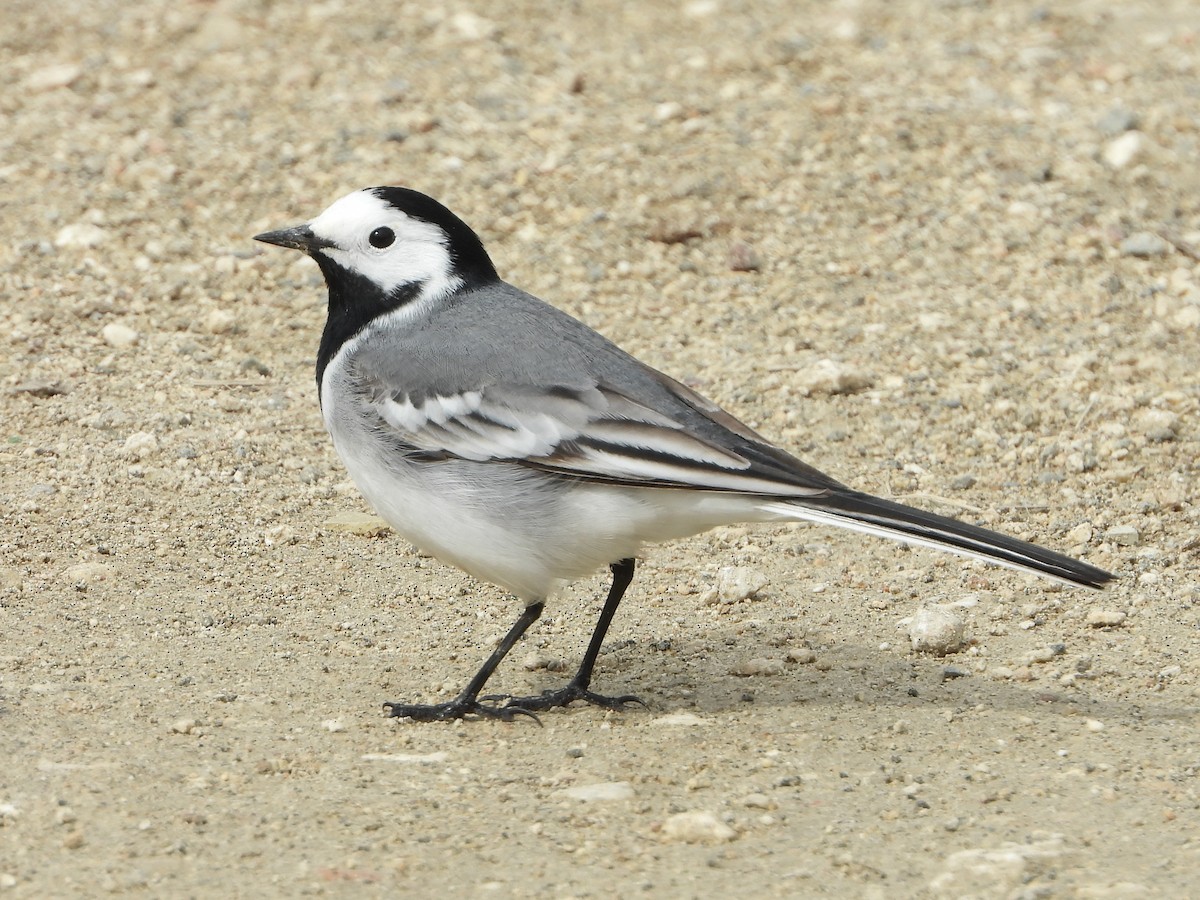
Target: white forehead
x,y
419,253
352,218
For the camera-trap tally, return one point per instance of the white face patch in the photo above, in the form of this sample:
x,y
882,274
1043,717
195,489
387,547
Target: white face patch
x,y
418,255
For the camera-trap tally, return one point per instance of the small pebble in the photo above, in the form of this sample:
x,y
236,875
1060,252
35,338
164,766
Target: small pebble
x,y
87,573
80,235
1125,535
743,258
1080,534
996,870
423,759
333,726
73,841
754,667
362,524
666,112
1158,425
1117,121
1105,618
1122,150
120,336
219,321
280,535
603,791
679,719
1144,244
831,377
737,583
183,726
1094,725
937,630
756,801
696,828
801,655
139,445
534,662
48,78
1045,654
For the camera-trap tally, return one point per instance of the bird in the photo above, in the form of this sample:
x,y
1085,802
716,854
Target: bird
x,y
503,436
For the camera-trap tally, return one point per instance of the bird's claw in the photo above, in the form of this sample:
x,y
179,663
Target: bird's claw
x,y
565,697
459,708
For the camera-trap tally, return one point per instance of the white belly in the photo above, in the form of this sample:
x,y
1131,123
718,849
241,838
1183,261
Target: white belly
x,y
520,528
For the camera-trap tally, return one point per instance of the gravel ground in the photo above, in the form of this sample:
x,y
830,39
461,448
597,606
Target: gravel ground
x,y
946,251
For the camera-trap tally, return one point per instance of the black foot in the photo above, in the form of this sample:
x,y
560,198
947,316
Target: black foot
x,y
459,708
565,697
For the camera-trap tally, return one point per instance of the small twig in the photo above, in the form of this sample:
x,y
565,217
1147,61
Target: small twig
x,y
1087,411
1026,507
220,383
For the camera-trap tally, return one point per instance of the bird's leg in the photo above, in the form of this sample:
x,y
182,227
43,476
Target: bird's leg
x,y
577,687
467,703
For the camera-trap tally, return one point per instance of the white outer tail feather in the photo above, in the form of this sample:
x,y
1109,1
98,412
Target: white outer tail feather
x,y
828,517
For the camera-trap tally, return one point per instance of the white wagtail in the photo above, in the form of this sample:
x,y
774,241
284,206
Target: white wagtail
x,y
506,437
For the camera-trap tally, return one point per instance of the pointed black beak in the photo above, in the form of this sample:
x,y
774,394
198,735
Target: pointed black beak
x,y
299,238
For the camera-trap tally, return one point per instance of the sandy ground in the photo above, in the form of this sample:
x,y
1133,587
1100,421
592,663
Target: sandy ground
x,y
984,214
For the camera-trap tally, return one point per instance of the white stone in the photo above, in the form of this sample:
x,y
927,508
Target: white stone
x,y
50,77
602,791
422,759
753,667
139,445
1080,534
362,524
675,719
937,630
219,321
995,872
1105,618
1124,149
665,112
117,335
737,583
828,376
1157,424
86,573
80,234
696,827
1144,244
1125,535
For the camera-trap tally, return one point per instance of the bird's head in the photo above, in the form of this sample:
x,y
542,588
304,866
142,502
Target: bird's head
x,y
393,241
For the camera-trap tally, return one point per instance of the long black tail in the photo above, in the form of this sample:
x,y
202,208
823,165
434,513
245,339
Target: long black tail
x,y
872,515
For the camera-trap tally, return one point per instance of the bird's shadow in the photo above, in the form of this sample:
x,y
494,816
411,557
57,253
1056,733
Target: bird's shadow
x,y
855,676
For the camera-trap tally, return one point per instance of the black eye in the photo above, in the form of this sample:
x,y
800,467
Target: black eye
x,y
382,237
